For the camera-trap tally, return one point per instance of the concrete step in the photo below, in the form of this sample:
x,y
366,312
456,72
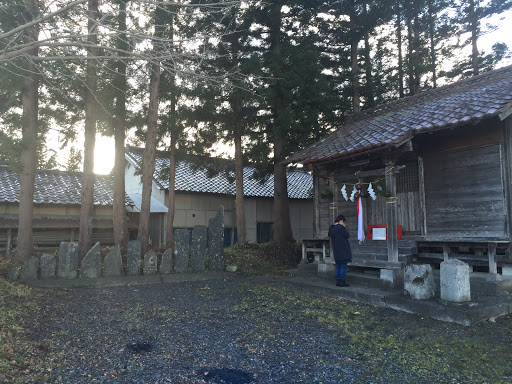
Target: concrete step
x,y
307,269
480,309
369,278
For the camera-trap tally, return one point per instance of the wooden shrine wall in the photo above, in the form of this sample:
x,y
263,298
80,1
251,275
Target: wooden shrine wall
x,y
410,215
464,192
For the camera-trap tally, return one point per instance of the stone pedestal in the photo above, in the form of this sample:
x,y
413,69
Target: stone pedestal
x,y
317,257
455,285
493,277
506,270
326,268
392,278
419,281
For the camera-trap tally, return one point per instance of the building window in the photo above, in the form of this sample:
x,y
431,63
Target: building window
x,y
230,237
407,179
264,232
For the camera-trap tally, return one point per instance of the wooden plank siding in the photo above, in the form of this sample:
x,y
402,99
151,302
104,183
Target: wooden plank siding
x,y
409,214
323,207
464,194
507,177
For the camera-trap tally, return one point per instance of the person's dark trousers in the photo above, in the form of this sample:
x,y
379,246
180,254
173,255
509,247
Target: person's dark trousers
x,y
340,273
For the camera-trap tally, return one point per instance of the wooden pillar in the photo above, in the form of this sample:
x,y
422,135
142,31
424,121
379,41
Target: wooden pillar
x,y
421,176
506,161
493,266
332,204
72,235
316,206
446,252
8,244
391,213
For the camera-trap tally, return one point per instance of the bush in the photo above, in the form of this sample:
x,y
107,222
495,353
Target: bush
x,y
257,259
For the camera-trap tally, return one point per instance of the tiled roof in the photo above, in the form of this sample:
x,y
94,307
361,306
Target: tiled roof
x,y
467,101
188,179
56,187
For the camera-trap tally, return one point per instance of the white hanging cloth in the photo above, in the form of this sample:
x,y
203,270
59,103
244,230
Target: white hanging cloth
x,y
344,192
353,194
360,230
371,192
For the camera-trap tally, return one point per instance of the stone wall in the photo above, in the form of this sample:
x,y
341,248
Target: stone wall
x,y
192,253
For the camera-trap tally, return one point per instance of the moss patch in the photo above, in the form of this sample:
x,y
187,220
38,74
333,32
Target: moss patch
x,y
16,351
386,343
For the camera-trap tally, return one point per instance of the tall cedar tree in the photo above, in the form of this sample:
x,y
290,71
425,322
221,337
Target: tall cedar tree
x,y
471,14
296,97
29,97
148,157
87,194
119,124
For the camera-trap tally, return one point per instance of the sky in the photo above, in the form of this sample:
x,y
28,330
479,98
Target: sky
x,y
104,149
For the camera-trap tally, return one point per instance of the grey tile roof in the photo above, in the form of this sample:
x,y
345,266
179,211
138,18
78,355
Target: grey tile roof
x,y
188,179
56,187
467,101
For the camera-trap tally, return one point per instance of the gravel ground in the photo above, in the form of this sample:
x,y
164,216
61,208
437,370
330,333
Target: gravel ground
x,y
257,330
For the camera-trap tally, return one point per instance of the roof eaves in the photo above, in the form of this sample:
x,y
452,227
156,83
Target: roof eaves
x,y
506,111
356,152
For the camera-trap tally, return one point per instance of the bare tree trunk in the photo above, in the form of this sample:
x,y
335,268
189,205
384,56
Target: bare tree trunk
x,y
400,55
239,199
148,159
169,235
87,195
119,214
29,99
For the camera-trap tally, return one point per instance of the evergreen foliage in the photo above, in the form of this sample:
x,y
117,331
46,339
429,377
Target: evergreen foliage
x,y
272,76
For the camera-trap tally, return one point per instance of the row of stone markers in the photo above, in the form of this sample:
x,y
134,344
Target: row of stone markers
x,y
190,254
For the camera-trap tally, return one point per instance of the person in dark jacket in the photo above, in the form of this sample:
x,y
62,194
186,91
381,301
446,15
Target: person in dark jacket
x,y
341,250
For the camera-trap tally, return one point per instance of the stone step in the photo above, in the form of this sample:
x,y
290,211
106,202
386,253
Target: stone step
x,y
370,278
307,269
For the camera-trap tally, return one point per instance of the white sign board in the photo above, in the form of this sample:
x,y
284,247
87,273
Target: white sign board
x,y
379,233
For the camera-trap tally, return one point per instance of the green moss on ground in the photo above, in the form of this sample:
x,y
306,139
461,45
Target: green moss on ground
x,y
16,351
385,342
